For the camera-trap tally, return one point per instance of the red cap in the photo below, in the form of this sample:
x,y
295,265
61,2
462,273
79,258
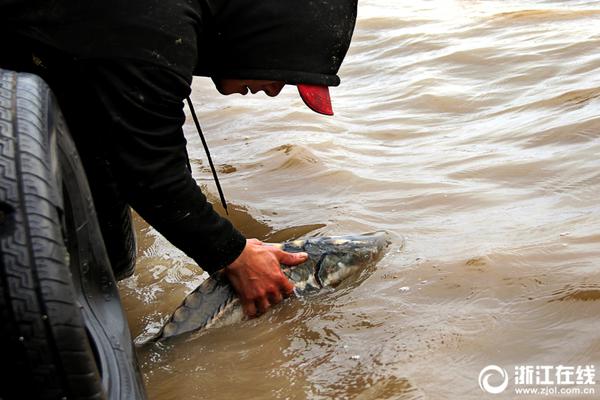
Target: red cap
x,y
316,97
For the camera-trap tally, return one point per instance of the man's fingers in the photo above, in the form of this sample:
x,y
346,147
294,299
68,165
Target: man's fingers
x,y
287,288
263,305
292,258
249,309
275,297
257,278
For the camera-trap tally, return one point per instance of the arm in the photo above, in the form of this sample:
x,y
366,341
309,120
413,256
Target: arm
x,y
140,111
144,144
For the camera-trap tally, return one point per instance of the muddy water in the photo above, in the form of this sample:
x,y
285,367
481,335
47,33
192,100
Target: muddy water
x,y
470,130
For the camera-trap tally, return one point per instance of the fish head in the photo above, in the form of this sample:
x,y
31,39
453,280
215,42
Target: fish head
x,y
333,259
343,256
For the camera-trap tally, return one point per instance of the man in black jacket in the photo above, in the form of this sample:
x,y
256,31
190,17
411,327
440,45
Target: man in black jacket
x,y
121,70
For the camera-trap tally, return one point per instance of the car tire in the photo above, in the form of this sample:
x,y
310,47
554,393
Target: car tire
x,y
63,332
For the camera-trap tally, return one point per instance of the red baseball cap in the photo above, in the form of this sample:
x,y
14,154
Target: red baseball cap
x,y
316,97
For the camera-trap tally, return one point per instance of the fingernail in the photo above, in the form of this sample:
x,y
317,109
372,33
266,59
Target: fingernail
x,y
302,255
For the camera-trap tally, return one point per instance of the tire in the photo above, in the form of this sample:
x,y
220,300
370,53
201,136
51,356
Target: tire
x,y
117,231
63,333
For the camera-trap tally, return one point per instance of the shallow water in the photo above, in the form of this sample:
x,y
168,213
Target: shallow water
x,y
468,129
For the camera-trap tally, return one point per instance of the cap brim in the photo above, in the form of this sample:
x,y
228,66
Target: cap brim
x,y
316,97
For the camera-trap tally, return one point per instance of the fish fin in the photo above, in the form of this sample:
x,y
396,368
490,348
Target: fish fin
x,y
200,307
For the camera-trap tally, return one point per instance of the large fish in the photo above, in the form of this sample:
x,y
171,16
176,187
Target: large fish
x,y
330,261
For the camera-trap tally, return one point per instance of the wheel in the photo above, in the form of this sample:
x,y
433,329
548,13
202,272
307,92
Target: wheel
x,y
63,333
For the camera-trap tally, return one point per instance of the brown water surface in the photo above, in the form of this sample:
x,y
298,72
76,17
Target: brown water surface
x,y
470,129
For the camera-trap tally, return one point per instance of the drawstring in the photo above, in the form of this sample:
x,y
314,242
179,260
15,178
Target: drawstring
x,y
212,167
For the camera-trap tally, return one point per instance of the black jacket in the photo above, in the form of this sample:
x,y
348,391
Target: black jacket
x,y
121,70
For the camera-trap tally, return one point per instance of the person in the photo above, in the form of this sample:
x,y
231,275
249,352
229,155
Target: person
x,y
121,71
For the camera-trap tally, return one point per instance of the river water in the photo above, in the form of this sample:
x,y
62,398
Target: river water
x,y
470,130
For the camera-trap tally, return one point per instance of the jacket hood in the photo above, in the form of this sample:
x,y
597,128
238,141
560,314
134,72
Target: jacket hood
x,y
296,41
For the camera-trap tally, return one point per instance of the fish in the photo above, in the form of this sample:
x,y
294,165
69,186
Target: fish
x,y
331,260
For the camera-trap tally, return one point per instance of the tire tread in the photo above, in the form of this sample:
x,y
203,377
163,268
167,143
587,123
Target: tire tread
x,y
36,296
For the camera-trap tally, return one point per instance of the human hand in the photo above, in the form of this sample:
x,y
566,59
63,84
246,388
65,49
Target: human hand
x,y
257,278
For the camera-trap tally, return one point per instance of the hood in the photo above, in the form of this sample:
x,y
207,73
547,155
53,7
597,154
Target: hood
x,y
295,41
